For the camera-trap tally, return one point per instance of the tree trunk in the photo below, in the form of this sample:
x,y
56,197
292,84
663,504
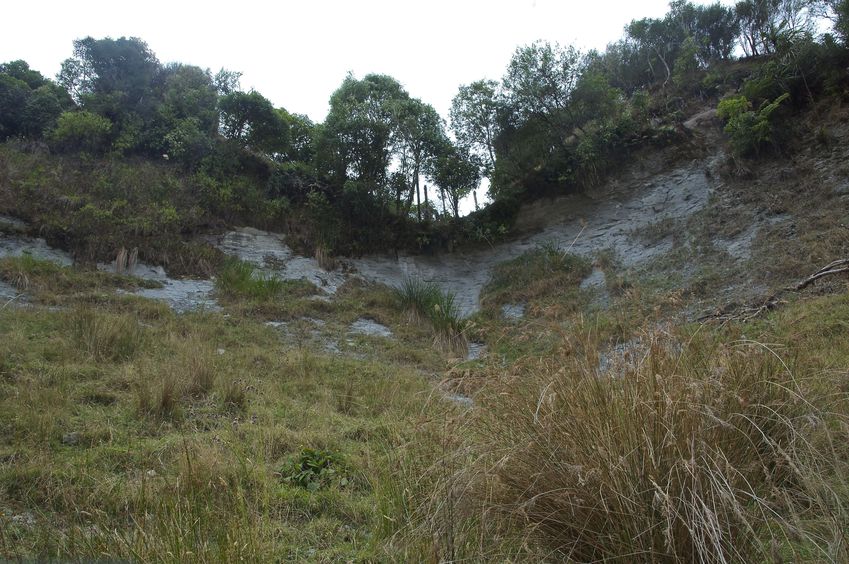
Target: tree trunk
x,y
418,196
427,204
442,194
475,196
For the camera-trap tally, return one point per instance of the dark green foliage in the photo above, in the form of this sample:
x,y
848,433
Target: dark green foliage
x,y
474,120
381,173
29,103
250,119
457,173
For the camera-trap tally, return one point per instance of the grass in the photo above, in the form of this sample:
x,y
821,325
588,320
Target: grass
x,y
546,279
182,427
426,300
240,280
59,285
104,337
701,445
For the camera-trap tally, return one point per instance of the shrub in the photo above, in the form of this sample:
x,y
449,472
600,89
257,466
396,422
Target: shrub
x,y
448,324
314,469
416,297
425,300
750,130
81,131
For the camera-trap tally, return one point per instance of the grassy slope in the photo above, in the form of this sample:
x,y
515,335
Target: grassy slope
x,y
134,433
129,432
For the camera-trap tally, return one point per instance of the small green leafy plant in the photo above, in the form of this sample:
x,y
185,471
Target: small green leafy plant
x,y
315,469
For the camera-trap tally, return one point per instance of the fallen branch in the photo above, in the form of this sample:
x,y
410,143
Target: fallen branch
x,y
747,313
836,267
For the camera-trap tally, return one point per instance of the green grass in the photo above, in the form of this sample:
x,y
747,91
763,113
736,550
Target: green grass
x,y
426,300
133,433
240,279
180,441
546,279
56,284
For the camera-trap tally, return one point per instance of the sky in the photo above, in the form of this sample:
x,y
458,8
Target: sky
x,y
297,53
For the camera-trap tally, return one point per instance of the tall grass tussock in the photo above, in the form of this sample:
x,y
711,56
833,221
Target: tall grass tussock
x,y
427,301
696,452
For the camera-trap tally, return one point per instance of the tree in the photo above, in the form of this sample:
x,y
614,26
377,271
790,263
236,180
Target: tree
x,y
250,119
124,68
418,135
186,117
227,82
302,136
13,99
540,79
836,11
457,173
713,29
474,120
356,139
29,103
658,41
765,24
20,70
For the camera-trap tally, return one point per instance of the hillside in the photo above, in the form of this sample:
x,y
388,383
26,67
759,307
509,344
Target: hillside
x,y
230,334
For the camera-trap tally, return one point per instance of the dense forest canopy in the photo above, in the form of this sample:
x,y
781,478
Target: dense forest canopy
x,y
385,166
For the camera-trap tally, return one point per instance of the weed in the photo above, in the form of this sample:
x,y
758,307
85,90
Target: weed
x,y
314,469
234,395
417,297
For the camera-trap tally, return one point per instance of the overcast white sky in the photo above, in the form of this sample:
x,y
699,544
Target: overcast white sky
x,y
297,53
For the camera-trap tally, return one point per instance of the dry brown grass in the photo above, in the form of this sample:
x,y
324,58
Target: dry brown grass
x,y
680,451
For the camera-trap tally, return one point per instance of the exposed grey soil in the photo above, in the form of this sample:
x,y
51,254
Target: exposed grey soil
x,y
685,220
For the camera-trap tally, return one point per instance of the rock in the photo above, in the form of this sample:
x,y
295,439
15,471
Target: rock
x,y
365,326
71,439
841,189
513,312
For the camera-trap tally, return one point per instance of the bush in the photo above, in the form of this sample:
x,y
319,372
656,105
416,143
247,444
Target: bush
x,y
315,469
81,131
750,131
